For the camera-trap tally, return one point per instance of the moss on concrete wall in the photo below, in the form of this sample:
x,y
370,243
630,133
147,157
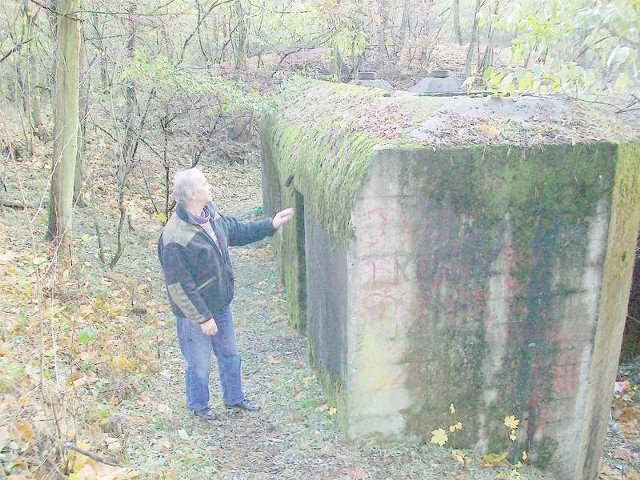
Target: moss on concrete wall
x,y
546,198
327,168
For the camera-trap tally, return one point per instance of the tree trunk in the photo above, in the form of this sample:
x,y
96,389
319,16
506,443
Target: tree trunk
x,y
404,32
31,93
456,21
101,48
382,32
82,131
240,37
487,58
65,142
130,89
474,38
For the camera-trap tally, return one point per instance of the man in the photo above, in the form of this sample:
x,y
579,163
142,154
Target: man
x,y
199,279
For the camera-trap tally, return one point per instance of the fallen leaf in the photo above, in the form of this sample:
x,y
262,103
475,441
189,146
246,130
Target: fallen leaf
x,y
622,453
162,407
24,431
460,457
439,437
457,426
356,473
607,472
488,130
512,422
495,460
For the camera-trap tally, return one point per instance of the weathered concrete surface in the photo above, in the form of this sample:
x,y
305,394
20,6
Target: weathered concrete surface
x,y
433,84
487,266
500,312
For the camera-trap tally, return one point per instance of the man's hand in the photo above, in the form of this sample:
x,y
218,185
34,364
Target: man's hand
x,y
282,217
210,327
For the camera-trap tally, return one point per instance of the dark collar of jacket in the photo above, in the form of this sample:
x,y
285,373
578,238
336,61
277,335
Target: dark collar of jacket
x,y
183,214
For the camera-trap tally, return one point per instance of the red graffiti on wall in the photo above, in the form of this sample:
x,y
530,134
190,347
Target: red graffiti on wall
x,y
385,303
565,380
388,270
384,218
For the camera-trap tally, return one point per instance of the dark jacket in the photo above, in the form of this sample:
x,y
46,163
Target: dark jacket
x,y
197,272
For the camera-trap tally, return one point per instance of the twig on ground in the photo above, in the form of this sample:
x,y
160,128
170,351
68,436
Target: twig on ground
x,y
93,456
14,205
55,470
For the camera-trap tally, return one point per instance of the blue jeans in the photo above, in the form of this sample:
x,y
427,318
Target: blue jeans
x,y
197,347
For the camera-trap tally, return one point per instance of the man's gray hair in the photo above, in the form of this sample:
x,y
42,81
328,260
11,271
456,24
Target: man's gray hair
x,y
183,185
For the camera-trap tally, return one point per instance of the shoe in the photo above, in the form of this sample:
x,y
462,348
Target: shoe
x,y
206,414
246,405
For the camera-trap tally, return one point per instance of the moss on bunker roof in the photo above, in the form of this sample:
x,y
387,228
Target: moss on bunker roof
x,y
327,134
403,118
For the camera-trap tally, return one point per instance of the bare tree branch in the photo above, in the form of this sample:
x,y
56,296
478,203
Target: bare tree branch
x,y
14,50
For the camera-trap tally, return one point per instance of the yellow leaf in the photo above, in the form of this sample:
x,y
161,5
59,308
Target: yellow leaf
x,y
77,461
121,362
24,431
332,411
452,409
512,436
488,130
525,455
511,422
460,457
495,460
457,426
439,437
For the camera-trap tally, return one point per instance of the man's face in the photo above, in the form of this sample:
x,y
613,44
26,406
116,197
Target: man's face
x,y
201,190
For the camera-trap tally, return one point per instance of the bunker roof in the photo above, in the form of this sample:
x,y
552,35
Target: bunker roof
x,y
326,134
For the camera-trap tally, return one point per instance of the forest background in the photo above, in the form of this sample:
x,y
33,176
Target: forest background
x,y
101,102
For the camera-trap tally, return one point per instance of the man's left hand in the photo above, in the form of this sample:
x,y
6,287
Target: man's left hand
x,y
282,217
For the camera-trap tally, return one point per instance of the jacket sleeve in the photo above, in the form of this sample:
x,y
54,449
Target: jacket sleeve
x,y
180,285
241,233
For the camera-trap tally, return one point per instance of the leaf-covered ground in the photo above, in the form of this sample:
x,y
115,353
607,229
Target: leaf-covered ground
x,y
91,374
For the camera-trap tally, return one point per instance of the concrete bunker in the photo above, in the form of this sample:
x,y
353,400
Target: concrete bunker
x,y
457,250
